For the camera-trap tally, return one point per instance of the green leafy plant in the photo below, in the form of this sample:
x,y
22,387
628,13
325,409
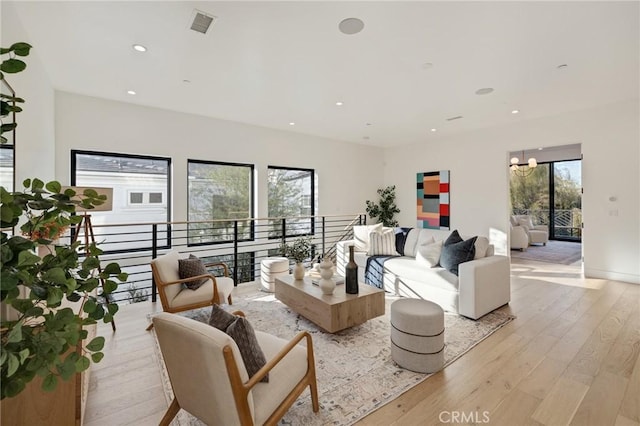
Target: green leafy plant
x,y
299,250
11,65
42,337
386,209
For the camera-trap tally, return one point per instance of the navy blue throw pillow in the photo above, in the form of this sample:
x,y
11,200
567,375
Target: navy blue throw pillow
x,y
401,238
456,251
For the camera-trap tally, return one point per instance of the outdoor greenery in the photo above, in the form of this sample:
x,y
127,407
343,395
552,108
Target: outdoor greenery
x,y
286,195
530,195
386,209
53,296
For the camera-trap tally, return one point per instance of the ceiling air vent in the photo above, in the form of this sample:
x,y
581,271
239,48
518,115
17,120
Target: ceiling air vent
x,y
457,117
201,22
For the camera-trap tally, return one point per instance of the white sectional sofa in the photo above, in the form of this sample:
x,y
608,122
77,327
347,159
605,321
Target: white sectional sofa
x,y
482,284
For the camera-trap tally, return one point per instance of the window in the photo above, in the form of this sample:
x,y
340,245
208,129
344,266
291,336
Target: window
x,y
291,196
135,198
133,178
155,198
218,192
7,159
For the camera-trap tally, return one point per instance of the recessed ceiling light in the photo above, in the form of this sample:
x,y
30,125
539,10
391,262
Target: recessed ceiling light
x,y
186,81
131,92
368,124
539,149
484,91
562,66
351,26
339,103
292,124
434,130
427,65
366,138
515,111
139,48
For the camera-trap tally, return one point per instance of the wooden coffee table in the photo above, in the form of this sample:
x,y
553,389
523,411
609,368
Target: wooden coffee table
x,y
332,312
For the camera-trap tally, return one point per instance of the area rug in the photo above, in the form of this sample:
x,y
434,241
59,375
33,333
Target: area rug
x,y
355,372
563,252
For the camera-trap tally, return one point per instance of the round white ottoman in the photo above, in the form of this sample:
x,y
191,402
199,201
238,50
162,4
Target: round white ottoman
x,y
270,268
417,335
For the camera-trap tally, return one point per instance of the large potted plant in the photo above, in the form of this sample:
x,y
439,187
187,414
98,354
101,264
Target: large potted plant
x,y
52,297
386,209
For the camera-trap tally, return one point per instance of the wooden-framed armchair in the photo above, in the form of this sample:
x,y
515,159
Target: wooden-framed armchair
x,y
176,298
210,381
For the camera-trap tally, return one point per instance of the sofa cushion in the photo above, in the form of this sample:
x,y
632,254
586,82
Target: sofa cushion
x,y
456,251
382,243
361,235
407,269
429,254
411,242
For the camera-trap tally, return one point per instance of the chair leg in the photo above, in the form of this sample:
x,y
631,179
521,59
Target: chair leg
x,y
149,327
171,413
229,299
313,387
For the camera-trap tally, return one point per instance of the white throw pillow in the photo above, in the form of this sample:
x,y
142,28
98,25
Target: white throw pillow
x,y
361,235
481,245
526,222
429,254
382,243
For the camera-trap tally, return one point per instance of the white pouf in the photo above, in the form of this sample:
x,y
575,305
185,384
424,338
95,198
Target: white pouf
x,y
270,268
417,335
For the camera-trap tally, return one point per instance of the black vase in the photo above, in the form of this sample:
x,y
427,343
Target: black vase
x,y
351,274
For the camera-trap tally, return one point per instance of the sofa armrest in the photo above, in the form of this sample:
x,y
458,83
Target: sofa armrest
x,y
484,285
544,228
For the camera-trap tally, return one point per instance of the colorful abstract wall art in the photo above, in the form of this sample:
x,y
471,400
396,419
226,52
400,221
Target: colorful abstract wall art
x,y
433,200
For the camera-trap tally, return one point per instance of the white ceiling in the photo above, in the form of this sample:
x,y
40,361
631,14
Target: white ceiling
x,y
272,63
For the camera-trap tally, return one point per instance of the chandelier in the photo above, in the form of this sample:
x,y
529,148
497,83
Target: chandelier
x,y
522,171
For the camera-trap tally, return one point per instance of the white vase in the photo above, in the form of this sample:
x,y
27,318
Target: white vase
x,y
326,284
298,271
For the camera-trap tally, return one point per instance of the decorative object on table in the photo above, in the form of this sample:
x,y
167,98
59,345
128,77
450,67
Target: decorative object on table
x,y
351,274
35,288
433,199
298,251
326,284
386,209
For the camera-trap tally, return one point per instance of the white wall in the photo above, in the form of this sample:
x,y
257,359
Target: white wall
x,y
610,138
35,146
348,174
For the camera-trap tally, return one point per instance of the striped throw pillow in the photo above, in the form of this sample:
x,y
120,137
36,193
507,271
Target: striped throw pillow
x,y
382,243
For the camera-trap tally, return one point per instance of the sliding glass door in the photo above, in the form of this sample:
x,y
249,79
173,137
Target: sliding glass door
x,y
566,216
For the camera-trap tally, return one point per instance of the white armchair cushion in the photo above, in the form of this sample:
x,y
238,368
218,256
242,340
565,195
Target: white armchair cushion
x,y
482,245
167,268
186,296
284,376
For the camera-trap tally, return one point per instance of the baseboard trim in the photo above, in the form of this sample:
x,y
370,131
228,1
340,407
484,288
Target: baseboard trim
x,y
610,275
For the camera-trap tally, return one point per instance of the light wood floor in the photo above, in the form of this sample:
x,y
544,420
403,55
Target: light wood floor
x,y
570,358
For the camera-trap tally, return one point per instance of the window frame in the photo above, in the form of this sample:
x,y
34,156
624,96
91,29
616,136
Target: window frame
x,y
168,160
251,199
312,196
